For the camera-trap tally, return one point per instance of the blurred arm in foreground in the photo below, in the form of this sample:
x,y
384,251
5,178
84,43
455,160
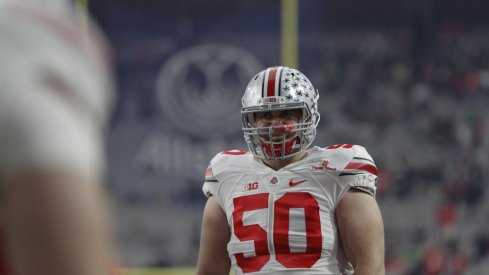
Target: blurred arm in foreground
x,y
55,95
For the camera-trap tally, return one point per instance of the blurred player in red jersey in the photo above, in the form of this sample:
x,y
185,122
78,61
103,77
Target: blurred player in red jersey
x,y
55,93
283,208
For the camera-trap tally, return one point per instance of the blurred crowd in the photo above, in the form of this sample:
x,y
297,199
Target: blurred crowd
x,y
422,114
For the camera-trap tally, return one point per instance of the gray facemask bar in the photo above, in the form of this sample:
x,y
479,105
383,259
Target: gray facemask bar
x,y
252,134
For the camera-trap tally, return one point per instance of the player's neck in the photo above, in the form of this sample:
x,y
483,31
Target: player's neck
x,y
279,164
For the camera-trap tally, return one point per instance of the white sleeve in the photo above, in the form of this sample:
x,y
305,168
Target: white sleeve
x,y
213,180
359,173
364,182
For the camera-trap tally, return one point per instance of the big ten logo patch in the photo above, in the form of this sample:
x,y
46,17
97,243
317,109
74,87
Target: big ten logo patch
x,y
250,186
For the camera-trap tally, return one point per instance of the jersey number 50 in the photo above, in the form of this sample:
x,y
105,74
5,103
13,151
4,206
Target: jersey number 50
x,y
281,224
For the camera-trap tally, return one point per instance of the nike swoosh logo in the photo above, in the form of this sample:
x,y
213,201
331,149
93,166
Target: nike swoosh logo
x,y
294,183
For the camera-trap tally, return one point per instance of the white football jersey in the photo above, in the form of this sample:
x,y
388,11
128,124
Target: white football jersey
x,y
283,222
55,89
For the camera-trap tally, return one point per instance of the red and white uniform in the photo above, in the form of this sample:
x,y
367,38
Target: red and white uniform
x,y
55,91
283,222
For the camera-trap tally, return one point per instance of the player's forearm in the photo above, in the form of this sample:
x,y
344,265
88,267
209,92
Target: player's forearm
x,y
372,267
55,225
213,255
215,266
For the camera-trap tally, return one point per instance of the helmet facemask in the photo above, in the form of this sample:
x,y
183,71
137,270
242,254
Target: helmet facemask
x,y
278,142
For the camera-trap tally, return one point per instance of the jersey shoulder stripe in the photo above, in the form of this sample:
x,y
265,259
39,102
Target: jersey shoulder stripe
x,y
349,158
361,162
355,166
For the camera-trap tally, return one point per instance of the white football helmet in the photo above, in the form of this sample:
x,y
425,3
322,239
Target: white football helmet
x,y
279,89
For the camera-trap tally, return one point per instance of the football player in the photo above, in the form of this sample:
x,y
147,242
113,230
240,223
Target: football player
x,y
282,208
55,93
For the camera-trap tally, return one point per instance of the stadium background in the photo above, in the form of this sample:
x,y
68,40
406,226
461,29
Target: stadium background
x,y
409,80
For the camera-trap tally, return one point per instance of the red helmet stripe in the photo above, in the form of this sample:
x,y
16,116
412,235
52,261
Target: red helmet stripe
x,y
271,82
278,92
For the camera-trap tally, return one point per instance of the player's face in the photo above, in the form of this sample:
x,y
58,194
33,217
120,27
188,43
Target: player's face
x,y
281,121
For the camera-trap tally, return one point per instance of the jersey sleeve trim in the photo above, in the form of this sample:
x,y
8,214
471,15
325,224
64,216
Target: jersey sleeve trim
x,y
364,182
